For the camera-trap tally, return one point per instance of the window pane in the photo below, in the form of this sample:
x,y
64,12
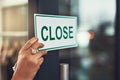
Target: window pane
x,y
94,58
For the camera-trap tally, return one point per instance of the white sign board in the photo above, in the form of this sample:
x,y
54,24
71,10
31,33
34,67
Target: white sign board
x,y
55,32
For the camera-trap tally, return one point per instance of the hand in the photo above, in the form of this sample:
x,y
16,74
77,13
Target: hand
x,y
28,63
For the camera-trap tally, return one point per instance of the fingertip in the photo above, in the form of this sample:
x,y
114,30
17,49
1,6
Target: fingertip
x,y
36,38
33,40
44,52
29,43
42,44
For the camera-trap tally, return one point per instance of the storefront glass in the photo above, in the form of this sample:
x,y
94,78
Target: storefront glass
x,y
95,56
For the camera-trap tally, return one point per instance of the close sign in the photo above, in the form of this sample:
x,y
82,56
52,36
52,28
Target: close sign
x,y
55,32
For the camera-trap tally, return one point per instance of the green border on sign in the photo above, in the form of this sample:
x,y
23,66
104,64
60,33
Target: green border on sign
x,y
60,47
55,16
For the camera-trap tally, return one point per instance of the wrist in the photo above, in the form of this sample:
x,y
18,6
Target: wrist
x,y
18,76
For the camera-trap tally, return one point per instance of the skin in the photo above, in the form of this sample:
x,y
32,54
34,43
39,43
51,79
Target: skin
x,y
29,63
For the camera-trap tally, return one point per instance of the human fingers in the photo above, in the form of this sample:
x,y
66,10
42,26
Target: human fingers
x,y
34,48
29,43
40,61
37,45
40,54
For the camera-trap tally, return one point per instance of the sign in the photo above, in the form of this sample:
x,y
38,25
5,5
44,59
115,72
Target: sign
x,y
55,32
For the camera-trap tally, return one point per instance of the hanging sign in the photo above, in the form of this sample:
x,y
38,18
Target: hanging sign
x,y
55,32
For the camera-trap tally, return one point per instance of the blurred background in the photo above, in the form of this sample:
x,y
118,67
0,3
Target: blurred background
x,y
93,59
13,33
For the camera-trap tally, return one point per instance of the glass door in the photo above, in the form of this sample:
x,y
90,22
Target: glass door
x,y
94,58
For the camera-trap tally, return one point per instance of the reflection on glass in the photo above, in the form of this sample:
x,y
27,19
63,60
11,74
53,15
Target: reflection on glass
x,y
94,58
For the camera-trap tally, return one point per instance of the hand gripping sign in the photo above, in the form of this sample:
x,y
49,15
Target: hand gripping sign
x,y
56,32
